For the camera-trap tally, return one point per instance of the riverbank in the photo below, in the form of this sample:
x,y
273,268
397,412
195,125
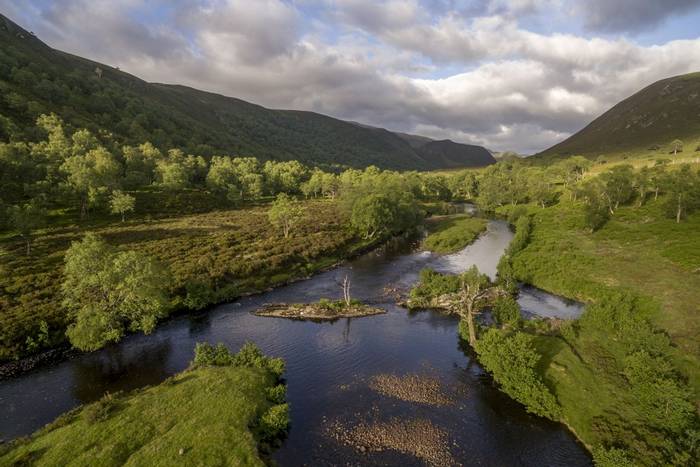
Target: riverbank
x,y
235,406
637,271
213,258
322,311
449,234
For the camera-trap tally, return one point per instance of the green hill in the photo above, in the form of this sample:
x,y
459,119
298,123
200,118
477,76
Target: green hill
x,y
646,122
36,79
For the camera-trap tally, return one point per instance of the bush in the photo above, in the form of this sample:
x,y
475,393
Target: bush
x,y
251,356
100,410
512,359
612,457
432,284
207,355
199,295
274,422
506,311
277,394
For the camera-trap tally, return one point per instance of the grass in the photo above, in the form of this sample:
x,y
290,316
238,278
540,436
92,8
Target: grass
x,y
213,257
639,250
451,234
200,417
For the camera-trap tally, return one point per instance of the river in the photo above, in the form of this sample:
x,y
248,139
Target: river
x,y
329,366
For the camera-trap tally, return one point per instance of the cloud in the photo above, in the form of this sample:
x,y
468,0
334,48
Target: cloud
x,y
471,74
630,15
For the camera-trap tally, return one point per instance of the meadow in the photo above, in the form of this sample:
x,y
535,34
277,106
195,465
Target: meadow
x,y
451,234
652,263
206,415
212,256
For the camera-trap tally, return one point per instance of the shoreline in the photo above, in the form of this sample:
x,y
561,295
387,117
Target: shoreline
x,y
62,352
316,311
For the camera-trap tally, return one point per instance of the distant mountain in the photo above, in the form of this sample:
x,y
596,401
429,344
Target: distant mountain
x,y
652,118
36,79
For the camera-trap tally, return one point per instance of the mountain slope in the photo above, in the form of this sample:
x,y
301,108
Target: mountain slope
x,y
35,79
655,116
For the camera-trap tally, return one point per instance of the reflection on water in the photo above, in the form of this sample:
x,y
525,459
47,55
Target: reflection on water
x,y
328,366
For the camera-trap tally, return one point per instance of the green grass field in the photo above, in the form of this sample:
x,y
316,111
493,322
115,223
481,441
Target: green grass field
x,y
452,233
639,250
219,255
200,417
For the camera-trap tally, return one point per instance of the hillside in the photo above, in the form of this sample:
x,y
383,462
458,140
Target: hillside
x,y
647,121
36,79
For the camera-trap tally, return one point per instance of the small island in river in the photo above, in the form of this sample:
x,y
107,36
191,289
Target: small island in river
x,y
323,310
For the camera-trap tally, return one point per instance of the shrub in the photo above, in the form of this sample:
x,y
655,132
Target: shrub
x,y
432,284
277,394
207,355
274,422
512,359
100,410
199,295
506,311
612,457
251,356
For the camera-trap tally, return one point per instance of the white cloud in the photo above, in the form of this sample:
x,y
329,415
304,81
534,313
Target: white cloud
x,y
473,76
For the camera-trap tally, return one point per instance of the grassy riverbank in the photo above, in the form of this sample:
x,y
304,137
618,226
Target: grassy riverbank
x,y
452,233
208,415
620,382
213,257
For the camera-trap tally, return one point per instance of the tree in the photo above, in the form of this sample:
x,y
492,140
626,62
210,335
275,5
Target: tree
x,y
26,219
683,188
237,178
539,188
285,213
616,186
596,207
512,360
371,215
676,146
121,203
284,177
475,292
108,291
91,170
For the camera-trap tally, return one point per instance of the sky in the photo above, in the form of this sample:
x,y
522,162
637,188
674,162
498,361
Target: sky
x,y
507,74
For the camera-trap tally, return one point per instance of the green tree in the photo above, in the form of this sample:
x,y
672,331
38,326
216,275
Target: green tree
x,y
371,215
121,203
90,171
284,177
512,360
540,188
238,178
108,291
676,146
596,210
284,213
616,186
27,218
683,188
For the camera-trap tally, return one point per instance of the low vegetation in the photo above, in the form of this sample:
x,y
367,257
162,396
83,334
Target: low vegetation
x,y
323,310
225,410
453,233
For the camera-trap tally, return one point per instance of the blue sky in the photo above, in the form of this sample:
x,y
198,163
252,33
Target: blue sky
x,y
509,74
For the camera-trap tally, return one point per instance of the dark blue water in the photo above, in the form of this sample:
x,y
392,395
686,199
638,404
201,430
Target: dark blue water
x,y
328,367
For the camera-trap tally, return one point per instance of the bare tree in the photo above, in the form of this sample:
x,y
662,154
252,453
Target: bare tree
x,y
346,290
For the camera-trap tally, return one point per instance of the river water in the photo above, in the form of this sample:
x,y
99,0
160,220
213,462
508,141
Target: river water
x,y
329,366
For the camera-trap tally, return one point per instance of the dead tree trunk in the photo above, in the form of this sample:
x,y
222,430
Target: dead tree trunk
x,y
346,291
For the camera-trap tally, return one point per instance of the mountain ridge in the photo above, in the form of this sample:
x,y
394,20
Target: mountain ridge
x,y
648,120
39,79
